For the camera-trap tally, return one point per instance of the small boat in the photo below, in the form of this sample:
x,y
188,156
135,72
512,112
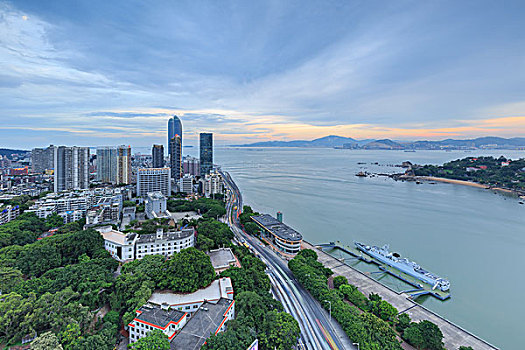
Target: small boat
x,y
360,174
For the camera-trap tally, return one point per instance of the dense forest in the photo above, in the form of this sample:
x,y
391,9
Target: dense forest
x,y
66,288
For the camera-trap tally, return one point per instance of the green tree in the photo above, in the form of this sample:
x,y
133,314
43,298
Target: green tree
x,y
339,281
46,341
187,271
465,348
155,340
9,278
13,310
54,220
403,321
281,331
424,335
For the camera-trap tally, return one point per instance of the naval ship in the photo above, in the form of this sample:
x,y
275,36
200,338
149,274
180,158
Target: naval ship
x,y
404,265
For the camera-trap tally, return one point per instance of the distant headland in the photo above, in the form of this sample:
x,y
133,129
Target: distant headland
x,y
341,142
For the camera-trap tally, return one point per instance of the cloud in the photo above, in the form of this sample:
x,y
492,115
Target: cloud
x,y
254,71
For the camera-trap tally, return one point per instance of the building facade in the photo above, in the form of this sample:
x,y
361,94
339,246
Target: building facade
x,y
106,164
206,153
281,236
8,213
153,180
71,168
123,165
154,317
42,159
212,184
157,155
174,128
191,166
186,184
126,247
155,205
176,157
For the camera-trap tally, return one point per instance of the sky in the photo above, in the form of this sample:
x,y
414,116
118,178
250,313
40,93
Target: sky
x,y
96,72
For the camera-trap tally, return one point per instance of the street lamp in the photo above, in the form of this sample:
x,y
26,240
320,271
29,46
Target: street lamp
x,y
329,302
356,344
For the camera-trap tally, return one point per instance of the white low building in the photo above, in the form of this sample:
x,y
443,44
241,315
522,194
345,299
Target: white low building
x,y
220,288
164,243
154,317
121,246
125,247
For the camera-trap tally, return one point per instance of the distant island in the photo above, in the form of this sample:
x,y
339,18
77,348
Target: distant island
x,y
341,142
497,173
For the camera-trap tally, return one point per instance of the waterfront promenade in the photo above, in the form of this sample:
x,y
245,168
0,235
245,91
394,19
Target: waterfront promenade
x,y
454,336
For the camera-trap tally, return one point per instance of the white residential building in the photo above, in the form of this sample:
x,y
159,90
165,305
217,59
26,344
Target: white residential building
x,y
153,180
8,213
155,205
212,184
186,184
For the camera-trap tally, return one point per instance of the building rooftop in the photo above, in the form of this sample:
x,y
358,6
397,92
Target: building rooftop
x,y
158,316
156,196
220,288
278,228
206,321
128,210
166,236
221,258
116,237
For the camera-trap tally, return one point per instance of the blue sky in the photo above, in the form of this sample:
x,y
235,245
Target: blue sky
x,y
112,72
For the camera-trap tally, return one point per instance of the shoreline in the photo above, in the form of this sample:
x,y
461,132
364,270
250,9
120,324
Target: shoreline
x,y
465,183
453,181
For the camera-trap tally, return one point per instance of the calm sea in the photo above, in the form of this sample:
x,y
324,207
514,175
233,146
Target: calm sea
x,y
471,236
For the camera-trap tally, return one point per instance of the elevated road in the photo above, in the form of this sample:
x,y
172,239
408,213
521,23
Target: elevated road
x,y
317,330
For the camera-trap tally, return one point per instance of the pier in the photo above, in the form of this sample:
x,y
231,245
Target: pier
x,y
420,288
453,335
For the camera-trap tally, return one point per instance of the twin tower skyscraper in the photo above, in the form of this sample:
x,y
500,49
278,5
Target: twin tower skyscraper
x,y
175,149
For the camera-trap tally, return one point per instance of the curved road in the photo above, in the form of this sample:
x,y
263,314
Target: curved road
x,y
316,330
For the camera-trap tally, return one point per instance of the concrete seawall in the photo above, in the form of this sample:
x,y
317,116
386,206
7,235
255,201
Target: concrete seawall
x,y
454,335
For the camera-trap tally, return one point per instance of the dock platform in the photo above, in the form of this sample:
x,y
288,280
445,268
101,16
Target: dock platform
x,y
419,287
454,336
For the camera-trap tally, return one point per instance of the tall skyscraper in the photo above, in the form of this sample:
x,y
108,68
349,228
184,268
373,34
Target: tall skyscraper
x,y
71,166
176,157
123,165
42,159
153,180
157,153
206,152
107,164
174,128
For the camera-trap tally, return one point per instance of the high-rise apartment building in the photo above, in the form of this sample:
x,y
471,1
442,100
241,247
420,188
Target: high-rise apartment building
x,y
42,159
176,157
157,154
114,164
71,166
206,153
107,164
123,165
174,128
153,180
191,166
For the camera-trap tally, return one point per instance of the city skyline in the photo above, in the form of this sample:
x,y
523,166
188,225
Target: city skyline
x,y
113,73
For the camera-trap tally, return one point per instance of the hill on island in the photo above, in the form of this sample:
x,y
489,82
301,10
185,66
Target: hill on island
x,y
334,141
